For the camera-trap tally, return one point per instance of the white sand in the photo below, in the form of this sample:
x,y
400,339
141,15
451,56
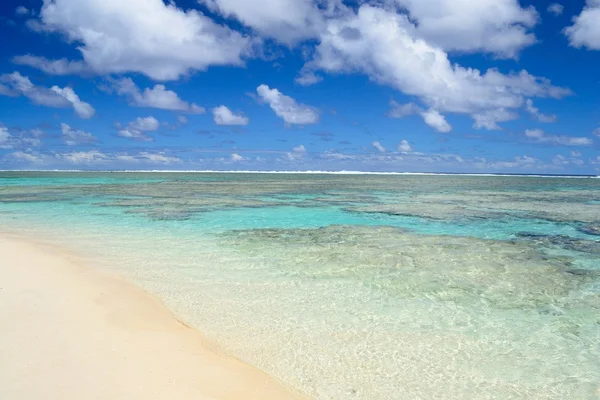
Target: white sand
x,y
69,332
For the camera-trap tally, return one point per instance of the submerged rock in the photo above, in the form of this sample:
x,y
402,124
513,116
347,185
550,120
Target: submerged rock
x,y
591,229
563,241
460,270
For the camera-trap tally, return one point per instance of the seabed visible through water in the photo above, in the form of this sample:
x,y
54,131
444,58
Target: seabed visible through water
x,y
353,286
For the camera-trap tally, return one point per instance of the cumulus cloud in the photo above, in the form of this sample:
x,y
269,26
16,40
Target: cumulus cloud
x,y
555,9
287,21
136,129
379,147
157,97
500,27
540,136
19,85
431,117
436,120
299,149
596,132
74,137
224,116
585,31
52,67
382,44
404,147
287,108
535,112
159,40
236,157
22,138
297,153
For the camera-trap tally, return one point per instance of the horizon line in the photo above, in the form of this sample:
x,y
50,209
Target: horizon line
x,y
308,172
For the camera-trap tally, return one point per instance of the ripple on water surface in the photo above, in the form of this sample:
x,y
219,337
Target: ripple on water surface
x,y
354,287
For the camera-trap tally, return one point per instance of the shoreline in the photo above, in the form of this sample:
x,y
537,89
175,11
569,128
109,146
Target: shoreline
x,y
77,333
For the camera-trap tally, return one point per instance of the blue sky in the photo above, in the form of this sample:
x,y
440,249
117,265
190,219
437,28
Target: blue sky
x,y
375,85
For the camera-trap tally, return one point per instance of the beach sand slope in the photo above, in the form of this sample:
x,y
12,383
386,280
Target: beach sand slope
x,y
70,332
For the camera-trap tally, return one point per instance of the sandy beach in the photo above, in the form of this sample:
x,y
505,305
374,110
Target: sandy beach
x,y
70,332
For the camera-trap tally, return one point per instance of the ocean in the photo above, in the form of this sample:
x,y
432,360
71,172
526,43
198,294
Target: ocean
x,y
352,286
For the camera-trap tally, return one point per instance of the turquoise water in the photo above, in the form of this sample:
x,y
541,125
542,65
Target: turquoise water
x,y
358,287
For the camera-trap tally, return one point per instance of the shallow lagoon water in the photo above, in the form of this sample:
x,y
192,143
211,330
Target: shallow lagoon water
x,y
358,287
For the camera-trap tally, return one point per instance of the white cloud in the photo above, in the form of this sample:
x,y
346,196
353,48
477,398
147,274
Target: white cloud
x,y
146,124
129,133
297,153
575,153
535,112
149,158
534,133
540,136
596,132
18,85
585,31
137,129
442,162
52,67
31,141
560,160
307,78
25,138
523,162
224,116
83,109
84,157
383,44
182,119
402,110
499,27
236,157
287,21
27,157
94,158
555,9
22,10
404,147
159,40
5,138
495,26
379,147
299,149
73,137
436,120
157,97
431,117
287,108
489,119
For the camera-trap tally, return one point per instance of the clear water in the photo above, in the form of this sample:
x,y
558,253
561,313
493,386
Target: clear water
x,y
353,287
